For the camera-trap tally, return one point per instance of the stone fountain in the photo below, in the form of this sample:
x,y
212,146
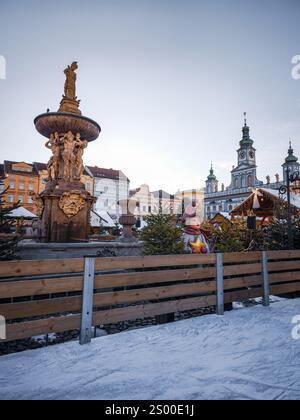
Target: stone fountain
x,y
65,205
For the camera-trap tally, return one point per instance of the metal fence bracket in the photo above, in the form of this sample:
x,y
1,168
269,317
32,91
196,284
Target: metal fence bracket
x,y
87,301
266,282
220,284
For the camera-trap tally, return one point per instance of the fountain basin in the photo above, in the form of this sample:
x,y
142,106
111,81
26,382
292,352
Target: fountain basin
x,y
61,122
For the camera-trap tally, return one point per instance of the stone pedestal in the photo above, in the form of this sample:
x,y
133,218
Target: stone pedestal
x,y
66,214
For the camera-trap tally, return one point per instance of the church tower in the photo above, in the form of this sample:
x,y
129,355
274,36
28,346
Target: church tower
x,y
291,163
244,175
212,184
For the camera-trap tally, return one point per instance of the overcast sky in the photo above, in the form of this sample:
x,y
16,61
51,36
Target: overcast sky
x,y
167,80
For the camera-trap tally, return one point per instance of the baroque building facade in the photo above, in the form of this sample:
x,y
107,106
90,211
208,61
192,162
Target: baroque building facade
x,y
243,178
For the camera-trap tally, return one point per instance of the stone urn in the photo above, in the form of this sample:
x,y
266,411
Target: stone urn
x,y
127,219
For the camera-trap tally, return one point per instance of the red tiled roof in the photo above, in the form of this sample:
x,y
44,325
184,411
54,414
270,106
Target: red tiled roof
x,y
162,194
2,174
8,168
40,166
105,173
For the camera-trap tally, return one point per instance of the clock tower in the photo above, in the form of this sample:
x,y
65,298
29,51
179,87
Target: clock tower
x,y
244,175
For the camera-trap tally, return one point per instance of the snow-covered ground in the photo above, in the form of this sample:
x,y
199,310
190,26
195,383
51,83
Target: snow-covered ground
x,y
247,354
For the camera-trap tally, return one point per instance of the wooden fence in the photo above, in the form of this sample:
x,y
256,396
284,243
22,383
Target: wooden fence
x,y
41,297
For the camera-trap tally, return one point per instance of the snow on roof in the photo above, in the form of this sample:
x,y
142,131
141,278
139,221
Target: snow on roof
x,y
101,219
21,212
295,198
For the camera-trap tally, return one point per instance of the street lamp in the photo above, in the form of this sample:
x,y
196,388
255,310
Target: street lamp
x,y
293,179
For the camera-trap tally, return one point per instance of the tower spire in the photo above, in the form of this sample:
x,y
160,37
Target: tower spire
x,y
291,157
246,140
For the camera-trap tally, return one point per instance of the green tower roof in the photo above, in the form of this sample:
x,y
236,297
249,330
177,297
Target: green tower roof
x,y
211,176
291,158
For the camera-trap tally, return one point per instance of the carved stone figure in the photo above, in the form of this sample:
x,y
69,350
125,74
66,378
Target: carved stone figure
x,y
70,84
80,145
68,155
69,103
53,165
71,203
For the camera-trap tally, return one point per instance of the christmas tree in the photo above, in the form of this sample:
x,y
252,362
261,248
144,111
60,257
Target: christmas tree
x,y
276,232
8,242
162,236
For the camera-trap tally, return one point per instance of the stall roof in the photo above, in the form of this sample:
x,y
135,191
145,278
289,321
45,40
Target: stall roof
x,y
21,213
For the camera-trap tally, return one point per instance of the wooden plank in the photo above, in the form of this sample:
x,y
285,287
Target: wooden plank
x,y
283,255
43,267
40,307
243,257
22,288
243,295
281,289
149,310
153,293
240,282
44,326
234,270
106,281
118,263
284,277
284,265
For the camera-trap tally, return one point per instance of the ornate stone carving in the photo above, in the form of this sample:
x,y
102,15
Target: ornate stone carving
x,y
38,203
68,155
71,203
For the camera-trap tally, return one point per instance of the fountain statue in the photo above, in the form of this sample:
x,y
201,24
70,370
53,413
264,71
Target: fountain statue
x,y
65,205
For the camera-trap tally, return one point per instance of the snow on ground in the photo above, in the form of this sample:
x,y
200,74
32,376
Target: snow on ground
x,y
247,354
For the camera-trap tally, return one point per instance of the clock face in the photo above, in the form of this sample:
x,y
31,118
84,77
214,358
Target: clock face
x,y
242,155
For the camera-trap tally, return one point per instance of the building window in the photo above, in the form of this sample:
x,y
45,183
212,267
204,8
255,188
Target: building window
x,y
230,207
29,200
30,187
88,185
21,186
10,198
20,198
250,181
11,185
208,208
220,208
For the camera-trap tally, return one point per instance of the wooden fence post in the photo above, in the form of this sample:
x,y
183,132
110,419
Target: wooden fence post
x,y
87,301
266,283
220,284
